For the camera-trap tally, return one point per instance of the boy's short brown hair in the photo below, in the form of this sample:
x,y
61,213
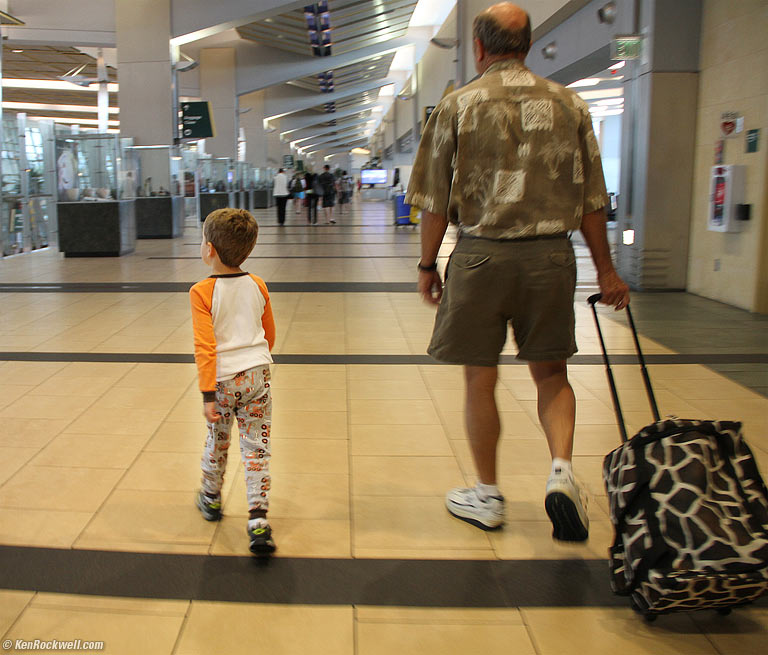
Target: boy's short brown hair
x,y
233,232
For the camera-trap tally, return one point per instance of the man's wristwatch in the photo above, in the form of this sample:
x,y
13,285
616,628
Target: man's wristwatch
x,y
431,267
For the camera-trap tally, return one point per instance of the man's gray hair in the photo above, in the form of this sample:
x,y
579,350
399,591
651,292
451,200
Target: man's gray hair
x,y
498,40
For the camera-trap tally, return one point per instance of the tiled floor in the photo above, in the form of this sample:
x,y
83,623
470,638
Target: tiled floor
x,y
104,455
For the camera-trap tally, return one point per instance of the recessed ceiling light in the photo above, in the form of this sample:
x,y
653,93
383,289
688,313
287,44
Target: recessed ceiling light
x,y
587,81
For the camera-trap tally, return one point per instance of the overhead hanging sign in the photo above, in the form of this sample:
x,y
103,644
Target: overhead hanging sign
x,y
196,121
626,46
287,161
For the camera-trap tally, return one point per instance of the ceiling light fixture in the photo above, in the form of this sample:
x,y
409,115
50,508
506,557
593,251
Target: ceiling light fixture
x,y
52,85
549,51
607,13
587,81
42,106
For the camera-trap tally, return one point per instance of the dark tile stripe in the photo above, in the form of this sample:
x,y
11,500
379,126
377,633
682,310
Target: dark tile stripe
x,y
414,257
408,583
183,287
184,358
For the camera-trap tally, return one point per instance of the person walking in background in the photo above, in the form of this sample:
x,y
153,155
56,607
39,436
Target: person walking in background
x,y
345,191
281,193
512,160
328,183
297,193
313,191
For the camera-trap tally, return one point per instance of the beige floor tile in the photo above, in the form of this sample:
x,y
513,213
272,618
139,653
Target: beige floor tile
x,y
42,528
148,606
122,632
29,432
438,616
90,451
391,389
393,412
404,476
112,370
12,604
163,376
322,538
164,472
309,425
604,631
310,400
157,519
142,398
514,457
283,629
52,407
533,540
176,437
87,387
31,373
403,373
381,524
288,376
421,440
743,632
13,460
514,425
447,638
309,456
711,389
103,420
10,393
297,496
421,554
68,489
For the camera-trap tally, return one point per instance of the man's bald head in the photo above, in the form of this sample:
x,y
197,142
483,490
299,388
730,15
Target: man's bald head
x,y
503,30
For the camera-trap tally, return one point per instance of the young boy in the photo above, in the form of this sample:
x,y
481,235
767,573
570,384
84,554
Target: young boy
x,y
234,334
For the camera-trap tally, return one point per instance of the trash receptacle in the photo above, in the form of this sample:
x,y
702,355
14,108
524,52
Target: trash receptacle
x,y
402,210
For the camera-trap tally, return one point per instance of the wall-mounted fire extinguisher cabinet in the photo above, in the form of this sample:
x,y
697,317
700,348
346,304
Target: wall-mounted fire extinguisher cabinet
x,y
726,190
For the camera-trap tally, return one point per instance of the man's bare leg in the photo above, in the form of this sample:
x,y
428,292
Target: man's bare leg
x,y
481,505
556,406
482,419
557,413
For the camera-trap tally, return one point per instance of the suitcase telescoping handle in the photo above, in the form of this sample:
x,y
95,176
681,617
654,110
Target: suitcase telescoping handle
x,y
593,300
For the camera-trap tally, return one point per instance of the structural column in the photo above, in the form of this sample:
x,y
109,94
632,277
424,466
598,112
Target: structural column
x,y
218,87
658,143
145,70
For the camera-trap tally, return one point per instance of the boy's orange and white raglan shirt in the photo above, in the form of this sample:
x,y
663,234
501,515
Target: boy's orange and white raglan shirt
x,y
233,327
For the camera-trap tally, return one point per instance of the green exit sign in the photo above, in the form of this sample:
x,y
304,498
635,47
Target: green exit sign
x,y
626,46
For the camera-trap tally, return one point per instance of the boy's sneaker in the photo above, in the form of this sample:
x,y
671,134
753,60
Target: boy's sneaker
x,y
262,544
566,508
465,504
209,507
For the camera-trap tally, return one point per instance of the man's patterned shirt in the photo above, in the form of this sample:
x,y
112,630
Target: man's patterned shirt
x,y
508,156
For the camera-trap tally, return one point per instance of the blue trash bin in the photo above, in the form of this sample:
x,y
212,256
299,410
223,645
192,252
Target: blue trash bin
x,y
402,210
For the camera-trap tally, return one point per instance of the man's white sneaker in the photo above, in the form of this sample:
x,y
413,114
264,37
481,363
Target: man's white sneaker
x,y
566,509
465,504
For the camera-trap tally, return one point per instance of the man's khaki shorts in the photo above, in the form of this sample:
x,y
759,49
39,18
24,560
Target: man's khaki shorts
x,y
529,283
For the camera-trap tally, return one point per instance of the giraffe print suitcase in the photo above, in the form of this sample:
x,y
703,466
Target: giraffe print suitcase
x,y
689,509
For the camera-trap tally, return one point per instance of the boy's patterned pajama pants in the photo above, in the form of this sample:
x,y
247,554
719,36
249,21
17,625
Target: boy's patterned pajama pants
x,y
247,398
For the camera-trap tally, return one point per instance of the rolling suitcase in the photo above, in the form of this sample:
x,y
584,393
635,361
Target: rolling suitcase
x,y
689,510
